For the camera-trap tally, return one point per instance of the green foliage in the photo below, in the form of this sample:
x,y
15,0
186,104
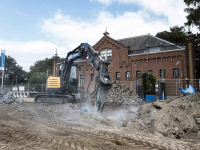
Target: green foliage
x,y
13,72
150,83
193,10
38,72
38,78
176,35
42,65
197,54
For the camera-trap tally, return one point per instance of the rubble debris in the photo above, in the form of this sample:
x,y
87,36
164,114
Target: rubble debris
x,y
157,105
177,118
119,93
8,98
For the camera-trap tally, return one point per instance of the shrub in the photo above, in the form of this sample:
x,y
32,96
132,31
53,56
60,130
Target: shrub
x,y
150,83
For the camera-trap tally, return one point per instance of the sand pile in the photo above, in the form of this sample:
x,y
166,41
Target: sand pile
x,y
176,118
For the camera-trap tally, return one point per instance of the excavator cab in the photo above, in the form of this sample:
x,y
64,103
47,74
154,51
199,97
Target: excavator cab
x,y
73,80
54,83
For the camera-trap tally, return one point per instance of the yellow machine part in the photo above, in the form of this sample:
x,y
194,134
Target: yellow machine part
x,y
53,82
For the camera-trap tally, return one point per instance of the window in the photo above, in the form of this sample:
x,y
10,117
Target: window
x,y
103,54
128,74
162,73
91,76
106,54
150,71
81,80
175,72
73,72
118,75
138,74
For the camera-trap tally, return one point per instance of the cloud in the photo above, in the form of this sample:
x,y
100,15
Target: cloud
x,y
151,17
66,32
174,11
27,53
70,31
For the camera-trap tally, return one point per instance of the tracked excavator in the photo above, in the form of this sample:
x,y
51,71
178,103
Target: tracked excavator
x,y
65,88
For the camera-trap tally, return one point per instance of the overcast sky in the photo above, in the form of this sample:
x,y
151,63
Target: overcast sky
x,y
33,30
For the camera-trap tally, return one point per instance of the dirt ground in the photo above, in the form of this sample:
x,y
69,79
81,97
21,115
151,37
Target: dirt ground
x,y
76,126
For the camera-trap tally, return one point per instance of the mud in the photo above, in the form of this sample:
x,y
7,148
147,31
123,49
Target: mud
x,y
78,127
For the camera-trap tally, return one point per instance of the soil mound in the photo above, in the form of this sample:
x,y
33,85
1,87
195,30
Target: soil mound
x,y
176,118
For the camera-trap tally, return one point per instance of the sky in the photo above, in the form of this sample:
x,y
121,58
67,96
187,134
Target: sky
x,y
33,30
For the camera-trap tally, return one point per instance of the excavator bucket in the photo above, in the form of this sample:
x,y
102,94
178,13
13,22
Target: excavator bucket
x,y
102,92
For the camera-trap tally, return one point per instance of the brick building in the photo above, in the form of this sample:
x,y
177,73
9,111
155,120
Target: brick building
x,y
130,57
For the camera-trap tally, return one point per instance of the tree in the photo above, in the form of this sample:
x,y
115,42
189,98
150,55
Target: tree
x,y
193,10
176,35
197,54
37,74
38,78
13,72
150,83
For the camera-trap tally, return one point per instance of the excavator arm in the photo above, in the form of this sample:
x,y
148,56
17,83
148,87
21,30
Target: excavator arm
x,y
61,89
85,51
103,81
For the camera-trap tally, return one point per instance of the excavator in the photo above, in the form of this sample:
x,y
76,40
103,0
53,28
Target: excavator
x,y
65,88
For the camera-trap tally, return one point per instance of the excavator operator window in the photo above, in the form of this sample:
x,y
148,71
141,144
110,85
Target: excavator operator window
x,y
73,80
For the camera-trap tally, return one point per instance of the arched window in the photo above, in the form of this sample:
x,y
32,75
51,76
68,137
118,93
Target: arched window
x,y
138,74
128,75
81,80
162,73
106,54
117,75
150,71
175,72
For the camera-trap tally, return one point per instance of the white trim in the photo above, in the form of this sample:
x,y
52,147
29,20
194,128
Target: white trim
x,y
157,52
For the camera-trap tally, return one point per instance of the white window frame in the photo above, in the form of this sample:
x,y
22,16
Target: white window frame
x,y
128,74
81,83
106,53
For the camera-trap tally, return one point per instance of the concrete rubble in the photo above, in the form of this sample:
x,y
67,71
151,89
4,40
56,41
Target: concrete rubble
x,y
8,98
121,94
176,118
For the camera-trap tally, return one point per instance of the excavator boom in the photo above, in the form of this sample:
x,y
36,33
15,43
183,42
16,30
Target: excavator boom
x,y
103,81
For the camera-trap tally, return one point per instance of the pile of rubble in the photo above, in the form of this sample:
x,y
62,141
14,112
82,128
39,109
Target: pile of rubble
x,y
177,118
119,93
7,98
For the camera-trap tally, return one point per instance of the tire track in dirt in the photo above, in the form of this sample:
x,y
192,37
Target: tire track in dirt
x,y
66,135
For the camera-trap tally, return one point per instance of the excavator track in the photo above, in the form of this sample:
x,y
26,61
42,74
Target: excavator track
x,y
54,98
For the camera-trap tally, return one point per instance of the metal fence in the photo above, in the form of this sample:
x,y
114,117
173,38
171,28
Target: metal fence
x,y
26,87
170,87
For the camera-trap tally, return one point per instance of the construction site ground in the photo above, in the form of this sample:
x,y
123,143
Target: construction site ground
x,y
77,126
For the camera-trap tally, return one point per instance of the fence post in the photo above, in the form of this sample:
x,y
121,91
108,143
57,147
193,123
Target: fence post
x,y
176,87
131,85
136,86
